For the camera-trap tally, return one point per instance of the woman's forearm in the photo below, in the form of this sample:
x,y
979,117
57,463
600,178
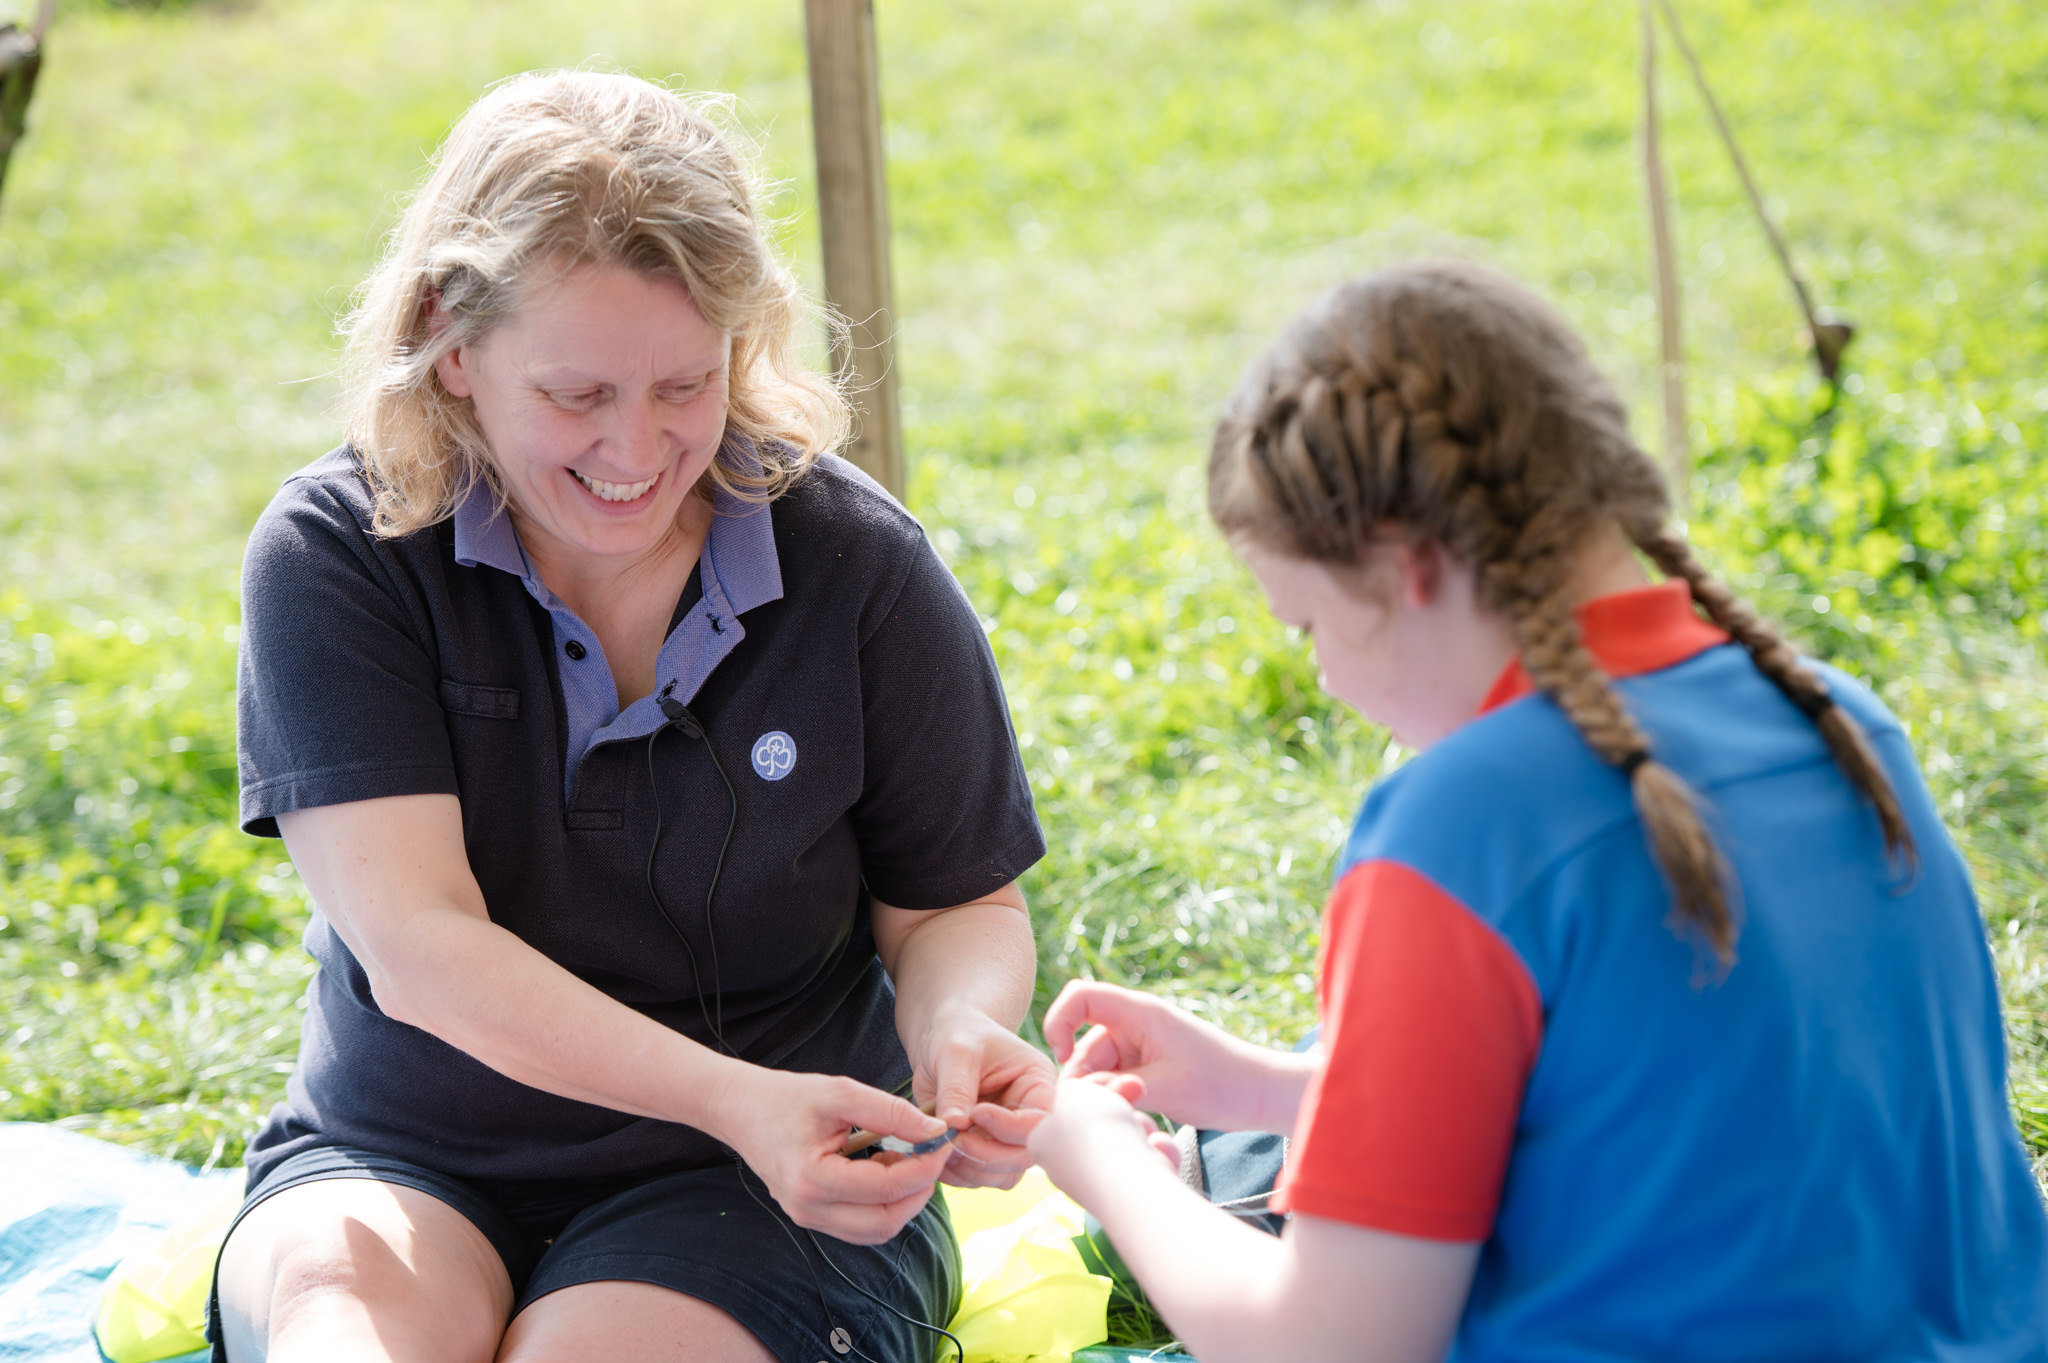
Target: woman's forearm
x,y
963,978
393,879
485,992
978,956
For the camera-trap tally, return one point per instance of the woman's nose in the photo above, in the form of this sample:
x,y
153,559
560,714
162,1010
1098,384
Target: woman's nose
x,y
642,436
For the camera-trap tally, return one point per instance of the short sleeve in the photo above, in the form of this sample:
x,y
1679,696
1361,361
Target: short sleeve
x,y
945,811
1430,1026
337,698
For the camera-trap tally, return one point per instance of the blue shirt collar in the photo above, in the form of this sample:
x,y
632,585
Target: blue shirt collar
x,y
738,570
484,535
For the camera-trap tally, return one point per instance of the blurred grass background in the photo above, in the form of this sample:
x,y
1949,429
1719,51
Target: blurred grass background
x,y
1100,211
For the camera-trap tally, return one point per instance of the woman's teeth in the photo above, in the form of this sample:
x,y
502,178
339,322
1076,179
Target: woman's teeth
x,y
617,492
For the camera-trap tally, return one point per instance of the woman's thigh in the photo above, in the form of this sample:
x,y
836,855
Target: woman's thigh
x,y
627,1322
739,1277
360,1269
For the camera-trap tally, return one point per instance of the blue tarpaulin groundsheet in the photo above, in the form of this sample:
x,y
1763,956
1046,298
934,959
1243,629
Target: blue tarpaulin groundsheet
x,y
70,1209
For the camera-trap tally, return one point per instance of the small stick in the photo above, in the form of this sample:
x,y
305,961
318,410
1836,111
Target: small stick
x,y
1830,335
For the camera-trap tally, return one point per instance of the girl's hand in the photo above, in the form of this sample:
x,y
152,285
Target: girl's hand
x,y
989,1084
789,1129
1192,1072
1092,1132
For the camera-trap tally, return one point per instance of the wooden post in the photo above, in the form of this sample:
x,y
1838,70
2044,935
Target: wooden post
x,y
853,212
21,58
1664,269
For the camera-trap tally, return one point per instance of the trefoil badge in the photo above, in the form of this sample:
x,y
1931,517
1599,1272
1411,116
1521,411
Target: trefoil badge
x,y
774,755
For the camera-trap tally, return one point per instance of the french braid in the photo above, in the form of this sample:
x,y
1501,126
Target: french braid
x,y
1453,404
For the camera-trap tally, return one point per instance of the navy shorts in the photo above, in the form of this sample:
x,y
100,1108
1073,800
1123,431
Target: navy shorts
x,y
713,1234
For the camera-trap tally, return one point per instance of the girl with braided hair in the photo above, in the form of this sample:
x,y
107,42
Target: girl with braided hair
x,y
1658,1020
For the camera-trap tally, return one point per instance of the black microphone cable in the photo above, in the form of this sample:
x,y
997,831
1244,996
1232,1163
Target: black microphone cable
x,y
679,717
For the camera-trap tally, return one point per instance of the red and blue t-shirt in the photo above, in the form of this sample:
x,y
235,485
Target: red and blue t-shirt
x,y
1809,1158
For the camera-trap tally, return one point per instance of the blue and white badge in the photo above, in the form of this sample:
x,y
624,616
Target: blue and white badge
x,y
774,755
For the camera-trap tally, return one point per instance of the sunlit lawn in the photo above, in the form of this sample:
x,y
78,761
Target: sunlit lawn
x,y
1100,211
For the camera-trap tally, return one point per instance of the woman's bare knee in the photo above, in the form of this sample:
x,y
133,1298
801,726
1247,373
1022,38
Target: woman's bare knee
x,y
358,1268
627,1322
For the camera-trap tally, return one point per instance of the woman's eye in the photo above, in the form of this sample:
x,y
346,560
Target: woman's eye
x,y
683,392
575,402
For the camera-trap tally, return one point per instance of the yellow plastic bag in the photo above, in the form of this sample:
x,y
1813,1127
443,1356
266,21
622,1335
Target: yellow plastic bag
x,y
1028,1298
155,1302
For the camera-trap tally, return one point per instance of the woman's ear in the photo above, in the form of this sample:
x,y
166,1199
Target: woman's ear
x,y
452,367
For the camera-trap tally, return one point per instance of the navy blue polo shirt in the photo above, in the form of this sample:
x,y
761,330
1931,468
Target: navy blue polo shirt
x,y
843,683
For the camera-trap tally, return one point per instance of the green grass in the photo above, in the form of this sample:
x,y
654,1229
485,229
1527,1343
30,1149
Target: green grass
x,y
1100,211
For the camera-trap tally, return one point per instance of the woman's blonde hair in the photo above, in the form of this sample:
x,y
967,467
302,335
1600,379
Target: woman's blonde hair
x,y
1457,404
554,171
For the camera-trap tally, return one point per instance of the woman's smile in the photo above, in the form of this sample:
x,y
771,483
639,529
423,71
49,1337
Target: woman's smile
x,y
615,492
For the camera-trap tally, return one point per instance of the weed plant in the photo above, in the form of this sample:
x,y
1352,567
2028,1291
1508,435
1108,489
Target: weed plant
x,y
1100,211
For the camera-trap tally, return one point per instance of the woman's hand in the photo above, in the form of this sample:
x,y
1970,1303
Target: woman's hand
x,y
963,981
1192,1072
988,1083
789,1129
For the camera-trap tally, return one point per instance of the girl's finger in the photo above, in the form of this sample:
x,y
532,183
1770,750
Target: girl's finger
x,y
1162,1144
1096,1051
1072,1010
1128,1087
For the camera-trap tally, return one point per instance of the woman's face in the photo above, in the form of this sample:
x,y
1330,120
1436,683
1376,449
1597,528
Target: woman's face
x,y
603,401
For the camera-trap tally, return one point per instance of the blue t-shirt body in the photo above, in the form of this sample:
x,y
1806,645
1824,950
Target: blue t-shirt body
x,y
1809,1158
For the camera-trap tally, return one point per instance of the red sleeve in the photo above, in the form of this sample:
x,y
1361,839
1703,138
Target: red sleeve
x,y
1430,1025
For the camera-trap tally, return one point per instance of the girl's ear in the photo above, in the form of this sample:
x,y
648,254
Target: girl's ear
x,y
452,367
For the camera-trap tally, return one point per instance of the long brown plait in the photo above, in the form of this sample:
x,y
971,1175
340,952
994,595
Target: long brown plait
x,y
1555,656
1777,659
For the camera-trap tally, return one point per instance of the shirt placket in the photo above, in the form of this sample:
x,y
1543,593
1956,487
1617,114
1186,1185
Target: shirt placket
x,y
691,652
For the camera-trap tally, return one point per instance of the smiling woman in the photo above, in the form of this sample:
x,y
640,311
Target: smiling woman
x,y
654,788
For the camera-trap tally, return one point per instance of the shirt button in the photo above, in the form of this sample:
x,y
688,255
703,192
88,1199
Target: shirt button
x,y
574,649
